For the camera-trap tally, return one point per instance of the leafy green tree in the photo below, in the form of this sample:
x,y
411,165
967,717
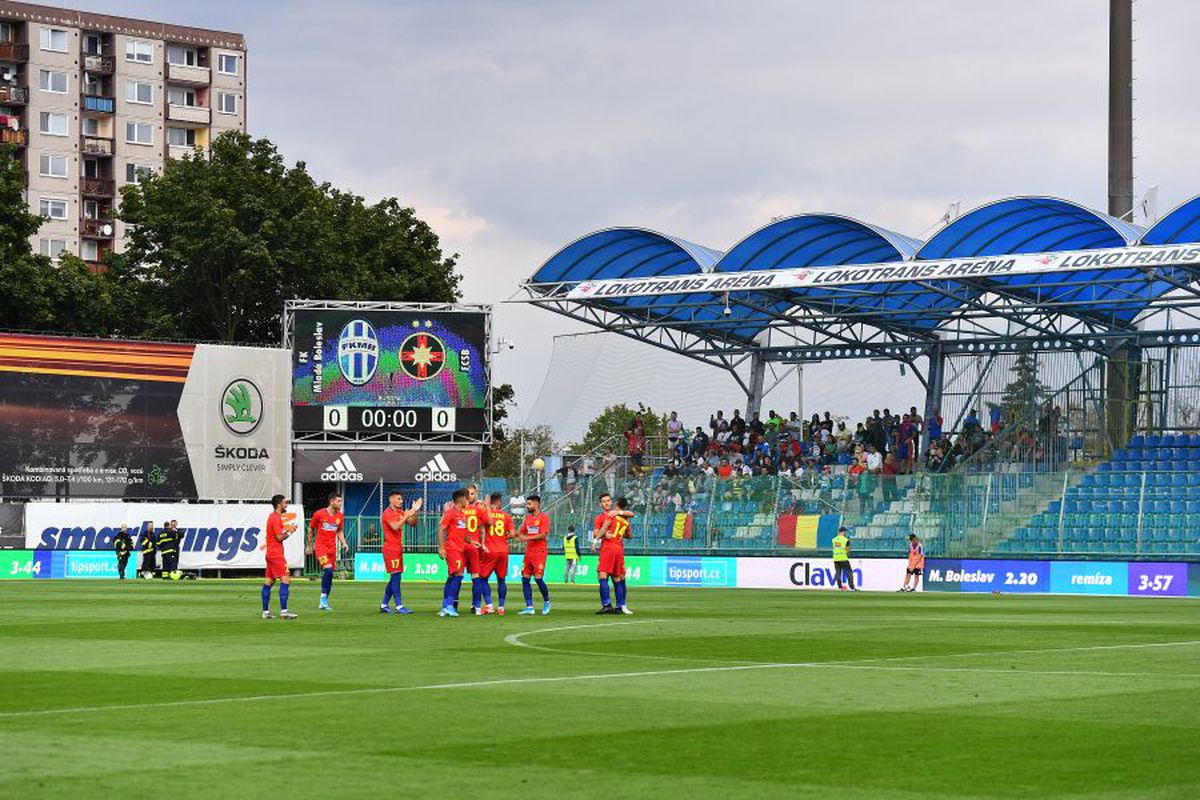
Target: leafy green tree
x,y
608,428
67,297
217,244
504,459
1025,393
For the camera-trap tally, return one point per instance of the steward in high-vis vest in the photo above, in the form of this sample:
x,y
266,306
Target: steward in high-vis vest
x,y
123,545
571,551
146,545
841,561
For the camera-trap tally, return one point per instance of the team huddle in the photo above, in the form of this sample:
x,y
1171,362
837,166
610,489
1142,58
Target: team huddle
x,y
473,539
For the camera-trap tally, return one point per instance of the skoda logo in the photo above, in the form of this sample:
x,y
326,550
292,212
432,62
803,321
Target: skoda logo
x,y
241,406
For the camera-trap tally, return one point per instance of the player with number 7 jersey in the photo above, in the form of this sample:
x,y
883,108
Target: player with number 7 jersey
x,y
393,520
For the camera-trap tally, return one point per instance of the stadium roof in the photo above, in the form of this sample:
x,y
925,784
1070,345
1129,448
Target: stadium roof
x,y
788,283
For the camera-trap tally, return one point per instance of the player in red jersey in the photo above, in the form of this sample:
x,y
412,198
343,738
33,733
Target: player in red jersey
x,y
611,529
534,531
474,555
393,521
452,540
277,568
325,541
495,560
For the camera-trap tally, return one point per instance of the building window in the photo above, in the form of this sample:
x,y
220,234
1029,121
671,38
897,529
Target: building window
x,y
53,207
54,40
93,45
89,250
139,133
89,126
227,102
52,124
181,56
51,81
137,92
181,97
181,137
141,52
227,64
53,166
6,32
136,173
52,248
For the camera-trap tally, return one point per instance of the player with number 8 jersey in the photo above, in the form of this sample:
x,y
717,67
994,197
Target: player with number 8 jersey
x,y
495,560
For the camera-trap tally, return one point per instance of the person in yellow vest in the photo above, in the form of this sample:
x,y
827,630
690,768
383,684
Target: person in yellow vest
x,y
571,551
841,561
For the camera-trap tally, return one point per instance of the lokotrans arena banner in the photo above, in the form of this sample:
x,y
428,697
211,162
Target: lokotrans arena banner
x,y
99,418
880,574
215,536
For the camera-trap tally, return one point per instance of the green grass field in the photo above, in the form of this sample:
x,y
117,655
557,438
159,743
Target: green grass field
x,y
151,689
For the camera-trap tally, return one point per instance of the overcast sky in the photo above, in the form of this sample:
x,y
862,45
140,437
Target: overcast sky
x,y
514,127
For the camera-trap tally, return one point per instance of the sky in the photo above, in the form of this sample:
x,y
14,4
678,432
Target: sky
x,y
514,127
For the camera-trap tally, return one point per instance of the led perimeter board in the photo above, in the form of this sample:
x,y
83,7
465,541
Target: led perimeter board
x,y
389,372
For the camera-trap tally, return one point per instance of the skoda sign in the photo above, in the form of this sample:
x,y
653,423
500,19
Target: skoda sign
x,y
241,406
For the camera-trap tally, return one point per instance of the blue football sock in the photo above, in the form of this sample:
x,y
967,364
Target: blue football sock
x,y
387,593
487,591
394,583
501,590
527,590
620,586
476,592
326,580
266,597
542,588
605,599
283,596
446,595
455,589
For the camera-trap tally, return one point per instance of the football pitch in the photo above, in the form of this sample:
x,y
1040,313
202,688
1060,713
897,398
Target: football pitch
x,y
154,689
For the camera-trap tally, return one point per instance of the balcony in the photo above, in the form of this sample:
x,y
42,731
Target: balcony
x,y
96,104
11,51
98,64
97,187
9,136
197,115
192,76
13,95
96,146
96,228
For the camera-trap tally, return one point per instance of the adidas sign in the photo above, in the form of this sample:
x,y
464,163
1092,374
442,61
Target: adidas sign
x,y
436,469
342,469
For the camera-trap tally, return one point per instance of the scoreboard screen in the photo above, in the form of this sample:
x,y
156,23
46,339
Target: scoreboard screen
x,y
404,371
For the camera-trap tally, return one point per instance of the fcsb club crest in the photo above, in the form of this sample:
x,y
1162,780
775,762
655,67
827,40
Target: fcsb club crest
x,y
422,355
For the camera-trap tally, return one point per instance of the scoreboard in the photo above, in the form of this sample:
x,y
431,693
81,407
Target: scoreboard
x,y
407,371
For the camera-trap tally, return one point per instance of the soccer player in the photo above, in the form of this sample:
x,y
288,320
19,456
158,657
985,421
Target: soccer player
x,y
612,528
277,568
916,563
495,559
393,520
326,540
452,539
473,555
533,533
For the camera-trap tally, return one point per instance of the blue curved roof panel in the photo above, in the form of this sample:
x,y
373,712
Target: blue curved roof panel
x,y
1181,226
625,253
1028,225
816,240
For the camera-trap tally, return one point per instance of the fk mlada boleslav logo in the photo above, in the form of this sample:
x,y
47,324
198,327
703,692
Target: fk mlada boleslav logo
x,y
342,469
241,406
358,351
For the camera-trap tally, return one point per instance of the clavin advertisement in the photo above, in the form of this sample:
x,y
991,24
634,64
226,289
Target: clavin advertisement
x,y
99,418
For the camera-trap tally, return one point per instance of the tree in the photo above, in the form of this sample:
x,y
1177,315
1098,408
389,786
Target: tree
x,y
502,398
216,244
1025,394
40,295
607,429
505,458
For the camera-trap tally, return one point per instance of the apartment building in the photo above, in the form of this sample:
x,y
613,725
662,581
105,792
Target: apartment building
x,y
94,101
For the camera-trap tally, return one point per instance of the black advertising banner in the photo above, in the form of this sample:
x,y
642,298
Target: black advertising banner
x,y
98,418
429,465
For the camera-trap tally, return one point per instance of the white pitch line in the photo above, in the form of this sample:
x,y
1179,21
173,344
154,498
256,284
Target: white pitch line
x,y
430,687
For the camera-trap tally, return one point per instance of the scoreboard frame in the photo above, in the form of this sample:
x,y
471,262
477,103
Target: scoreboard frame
x,y
290,307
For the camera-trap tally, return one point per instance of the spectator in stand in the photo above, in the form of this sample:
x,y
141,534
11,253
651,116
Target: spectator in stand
x,y
608,470
774,422
906,445
794,426
724,469
721,429
934,426
737,429
756,426
827,423
635,440
866,490
814,428
587,468
700,442
874,459
994,424
919,424
674,431
891,468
